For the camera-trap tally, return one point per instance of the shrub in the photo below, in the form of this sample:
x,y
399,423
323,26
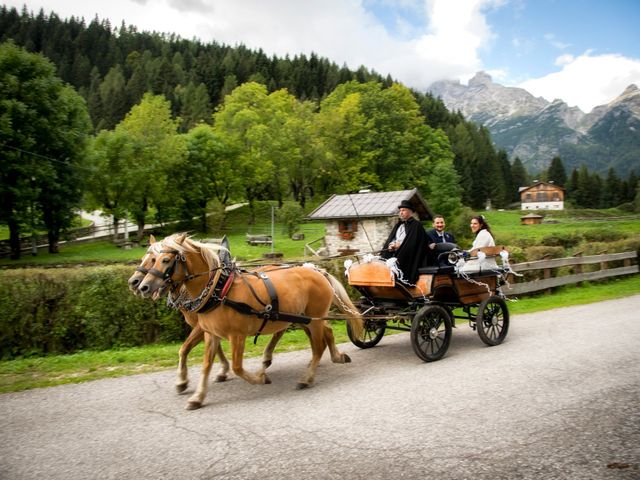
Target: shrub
x,y
604,235
65,310
539,252
565,240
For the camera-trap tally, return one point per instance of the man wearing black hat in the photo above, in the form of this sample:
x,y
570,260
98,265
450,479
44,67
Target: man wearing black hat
x,y
407,242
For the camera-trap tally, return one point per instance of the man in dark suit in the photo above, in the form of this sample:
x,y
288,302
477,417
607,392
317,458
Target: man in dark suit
x,y
437,235
407,242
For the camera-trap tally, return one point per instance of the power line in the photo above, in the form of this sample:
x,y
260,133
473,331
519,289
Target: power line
x,y
51,159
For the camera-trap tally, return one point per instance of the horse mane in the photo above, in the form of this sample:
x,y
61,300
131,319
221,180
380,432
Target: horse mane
x,y
188,245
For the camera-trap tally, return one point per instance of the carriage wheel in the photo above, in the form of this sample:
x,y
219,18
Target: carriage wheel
x,y
492,321
372,333
431,333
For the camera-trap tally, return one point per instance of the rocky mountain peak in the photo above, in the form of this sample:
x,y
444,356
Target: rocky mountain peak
x,y
481,79
536,130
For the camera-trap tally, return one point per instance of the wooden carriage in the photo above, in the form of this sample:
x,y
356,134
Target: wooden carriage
x,y
429,307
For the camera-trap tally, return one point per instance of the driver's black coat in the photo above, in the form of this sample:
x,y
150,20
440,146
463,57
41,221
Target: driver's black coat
x,y
411,253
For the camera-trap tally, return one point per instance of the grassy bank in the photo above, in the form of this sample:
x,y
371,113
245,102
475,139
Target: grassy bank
x,y
27,373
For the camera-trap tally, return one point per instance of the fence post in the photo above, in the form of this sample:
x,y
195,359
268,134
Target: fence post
x,y
546,273
577,268
603,265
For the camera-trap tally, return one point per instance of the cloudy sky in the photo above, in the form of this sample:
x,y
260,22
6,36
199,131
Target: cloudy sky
x,y
585,52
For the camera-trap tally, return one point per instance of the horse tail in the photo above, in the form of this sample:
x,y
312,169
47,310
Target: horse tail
x,y
342,301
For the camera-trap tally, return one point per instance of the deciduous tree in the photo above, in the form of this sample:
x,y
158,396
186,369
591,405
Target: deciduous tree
x,y
43,130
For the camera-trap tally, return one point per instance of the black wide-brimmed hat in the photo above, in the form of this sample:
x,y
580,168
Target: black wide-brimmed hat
x,y
407,204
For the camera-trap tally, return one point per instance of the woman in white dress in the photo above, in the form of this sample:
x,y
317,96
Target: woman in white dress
x,y
481,228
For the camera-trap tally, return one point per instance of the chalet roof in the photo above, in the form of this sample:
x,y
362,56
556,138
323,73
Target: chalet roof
x,y
535,184
531,215
370,204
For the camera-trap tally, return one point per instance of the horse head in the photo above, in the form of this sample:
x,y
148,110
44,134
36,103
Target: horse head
x,y
145,264
176,261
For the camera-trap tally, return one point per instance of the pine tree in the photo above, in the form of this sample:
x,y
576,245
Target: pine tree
x,y
556,172
612,192
519,177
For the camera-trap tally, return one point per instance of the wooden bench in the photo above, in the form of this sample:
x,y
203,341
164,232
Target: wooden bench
x,y
259,239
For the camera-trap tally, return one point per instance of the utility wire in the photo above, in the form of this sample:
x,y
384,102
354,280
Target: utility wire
x,y
51,159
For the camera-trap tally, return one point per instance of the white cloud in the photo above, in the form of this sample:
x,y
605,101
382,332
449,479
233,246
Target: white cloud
x,y
434,39
446,45
551,38
588,80
565,59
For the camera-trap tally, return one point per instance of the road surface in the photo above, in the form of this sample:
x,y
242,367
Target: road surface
x,y
560,399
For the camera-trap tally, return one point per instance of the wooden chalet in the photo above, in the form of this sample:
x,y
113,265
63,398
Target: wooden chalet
x,y
542,196
361,222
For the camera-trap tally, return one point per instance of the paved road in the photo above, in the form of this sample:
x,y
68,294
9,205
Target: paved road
x,y
558,400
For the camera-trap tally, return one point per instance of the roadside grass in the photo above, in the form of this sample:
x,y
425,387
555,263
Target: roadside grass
x,y
27,373
104,251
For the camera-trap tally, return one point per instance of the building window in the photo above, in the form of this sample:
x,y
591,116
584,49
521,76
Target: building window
x,y
347,229
347,226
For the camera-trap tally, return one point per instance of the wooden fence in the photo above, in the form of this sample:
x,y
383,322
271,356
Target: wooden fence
x,y
549,277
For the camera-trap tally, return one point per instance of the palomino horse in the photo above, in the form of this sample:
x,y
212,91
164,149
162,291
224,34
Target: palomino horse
x,y
233,304
197,334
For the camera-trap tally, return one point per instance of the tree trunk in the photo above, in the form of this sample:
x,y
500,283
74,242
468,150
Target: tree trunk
x,y
116,224
53,236
14,239
203,216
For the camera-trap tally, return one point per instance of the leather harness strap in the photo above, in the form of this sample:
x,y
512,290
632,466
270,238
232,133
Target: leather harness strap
x,y
271,310
223,285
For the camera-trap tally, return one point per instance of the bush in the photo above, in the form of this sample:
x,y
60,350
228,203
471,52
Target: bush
x,y
538,253
65,310
565,240
291,216
605,235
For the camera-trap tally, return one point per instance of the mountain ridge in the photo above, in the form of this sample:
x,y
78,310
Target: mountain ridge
x,y
536,130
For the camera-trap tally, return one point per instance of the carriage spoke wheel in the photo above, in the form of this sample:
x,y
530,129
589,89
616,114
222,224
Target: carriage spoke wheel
x,y
372,333
492,321
431,333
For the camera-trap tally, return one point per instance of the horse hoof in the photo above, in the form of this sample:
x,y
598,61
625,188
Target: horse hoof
x,y
266,363
346,358
193,405
302,386
221,378
181,387
267,380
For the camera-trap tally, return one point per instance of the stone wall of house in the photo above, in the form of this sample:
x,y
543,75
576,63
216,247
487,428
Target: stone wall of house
x,y
369,236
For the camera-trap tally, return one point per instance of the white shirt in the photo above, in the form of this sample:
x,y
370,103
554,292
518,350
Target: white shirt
x,y
401,233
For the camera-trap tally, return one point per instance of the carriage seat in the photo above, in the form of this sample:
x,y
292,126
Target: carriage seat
x,y
437,258
435,269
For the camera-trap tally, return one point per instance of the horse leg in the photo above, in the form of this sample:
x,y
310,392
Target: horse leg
x,y
224,363
316,338
237,357
267,356
192,340
336,355
330,342
211,345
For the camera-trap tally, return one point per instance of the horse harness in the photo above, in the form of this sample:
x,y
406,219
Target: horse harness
x,y
221,278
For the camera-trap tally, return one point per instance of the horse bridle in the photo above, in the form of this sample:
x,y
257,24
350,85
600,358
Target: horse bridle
x,y
215,277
